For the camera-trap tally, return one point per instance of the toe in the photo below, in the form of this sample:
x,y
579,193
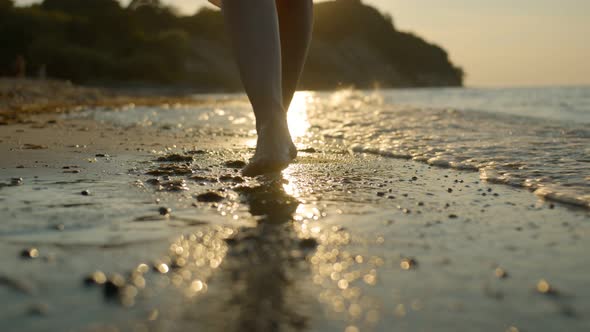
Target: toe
x,y
260,167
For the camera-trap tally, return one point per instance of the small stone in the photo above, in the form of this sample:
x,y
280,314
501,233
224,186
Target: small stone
x,y
164,211
231,178
175,158
235,164
101,155
161,268
196,152
308,244
153,182
16,181
85,193
38,309
501,273
414,178
450,190
96,278
408,263
59,227
210,197
380,194
420,204
113,286
453,216
30,253
544,287
175,186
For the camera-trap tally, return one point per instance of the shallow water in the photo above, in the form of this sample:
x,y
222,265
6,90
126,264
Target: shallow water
x,y
537,138
339,242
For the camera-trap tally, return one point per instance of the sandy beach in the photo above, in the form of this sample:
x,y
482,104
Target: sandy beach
x,y
146,228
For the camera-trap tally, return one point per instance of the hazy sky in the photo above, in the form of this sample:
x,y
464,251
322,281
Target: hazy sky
x,y
497,42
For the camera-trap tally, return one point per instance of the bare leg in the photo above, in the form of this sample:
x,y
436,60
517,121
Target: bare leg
x,y
254,29
295,24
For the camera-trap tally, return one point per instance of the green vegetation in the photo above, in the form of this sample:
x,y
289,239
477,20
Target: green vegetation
x,y
100,42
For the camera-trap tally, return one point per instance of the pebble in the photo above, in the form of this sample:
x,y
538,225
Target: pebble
x,y
501,273
453,216
153,182
231,178
210,197
450,190
101,155
171,170
380,194
85,193
96,278
161,268
113,286
544,287
16,181
38,309
235,164
30,253
59,227
199,178
408,263
175,185
164,211
308,244
175,158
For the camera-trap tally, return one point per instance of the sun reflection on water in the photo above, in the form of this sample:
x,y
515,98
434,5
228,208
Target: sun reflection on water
x,y
297,116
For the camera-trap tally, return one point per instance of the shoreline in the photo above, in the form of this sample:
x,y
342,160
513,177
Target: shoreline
x,y
22,98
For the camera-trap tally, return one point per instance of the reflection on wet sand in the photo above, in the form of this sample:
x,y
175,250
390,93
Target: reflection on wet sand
x,y
278,274
258,287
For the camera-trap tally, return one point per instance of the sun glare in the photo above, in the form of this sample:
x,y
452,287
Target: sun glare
x,y
297,116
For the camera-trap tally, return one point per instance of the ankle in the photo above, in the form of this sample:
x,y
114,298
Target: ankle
x,y
275,122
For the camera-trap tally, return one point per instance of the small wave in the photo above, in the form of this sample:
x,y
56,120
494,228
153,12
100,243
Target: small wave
x,y
545,156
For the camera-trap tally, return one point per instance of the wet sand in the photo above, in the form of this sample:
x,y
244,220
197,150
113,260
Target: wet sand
x,y
338,242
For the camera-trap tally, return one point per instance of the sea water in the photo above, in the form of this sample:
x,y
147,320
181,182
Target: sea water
x,y
538,138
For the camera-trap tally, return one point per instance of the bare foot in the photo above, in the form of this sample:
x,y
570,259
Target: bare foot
x,y
274,150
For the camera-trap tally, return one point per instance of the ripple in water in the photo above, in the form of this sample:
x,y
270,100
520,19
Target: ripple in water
x,y
548,153
548,156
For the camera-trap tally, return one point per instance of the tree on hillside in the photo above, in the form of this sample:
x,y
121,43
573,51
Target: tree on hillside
x,y
6,4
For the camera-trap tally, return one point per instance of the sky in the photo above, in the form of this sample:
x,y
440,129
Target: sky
x,y
497,42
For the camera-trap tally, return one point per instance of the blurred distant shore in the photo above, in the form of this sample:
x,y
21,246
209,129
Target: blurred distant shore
x,y
103,43
20,98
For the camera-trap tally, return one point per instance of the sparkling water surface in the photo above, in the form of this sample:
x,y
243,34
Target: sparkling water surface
x,y
537,138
